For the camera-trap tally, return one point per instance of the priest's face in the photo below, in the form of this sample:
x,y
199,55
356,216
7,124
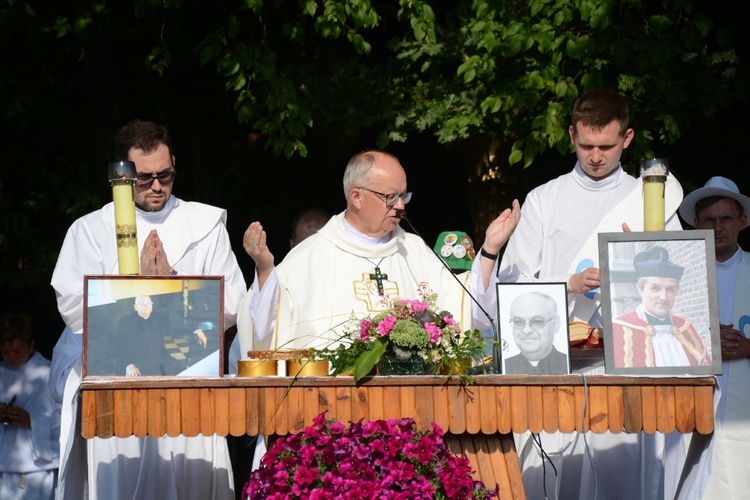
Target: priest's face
x,y
144,306
658,295
599,150
374,216
152,197
535,321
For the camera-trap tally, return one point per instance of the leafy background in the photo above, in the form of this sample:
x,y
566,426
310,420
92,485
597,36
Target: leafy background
x,y
267,100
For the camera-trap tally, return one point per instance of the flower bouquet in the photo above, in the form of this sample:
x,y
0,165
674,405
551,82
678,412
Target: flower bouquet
x,y
410,337
376,460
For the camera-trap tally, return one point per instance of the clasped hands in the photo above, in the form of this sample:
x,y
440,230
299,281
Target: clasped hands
x,y
153,258
13,415
733,344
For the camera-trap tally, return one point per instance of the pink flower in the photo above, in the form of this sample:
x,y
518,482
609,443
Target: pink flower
x,y
418,305
433,331
364,329
386,325
383,460
449,320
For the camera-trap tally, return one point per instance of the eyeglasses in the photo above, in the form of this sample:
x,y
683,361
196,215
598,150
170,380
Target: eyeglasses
x,y
534,323
164,178
726,220
390,199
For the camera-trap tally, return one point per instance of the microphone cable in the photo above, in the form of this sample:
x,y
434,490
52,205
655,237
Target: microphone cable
x,y
497,368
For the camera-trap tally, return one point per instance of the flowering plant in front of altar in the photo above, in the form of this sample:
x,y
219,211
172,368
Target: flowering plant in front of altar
x,y
406,329
379,459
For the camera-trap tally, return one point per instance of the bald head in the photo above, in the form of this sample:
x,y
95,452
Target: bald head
x,y
369,178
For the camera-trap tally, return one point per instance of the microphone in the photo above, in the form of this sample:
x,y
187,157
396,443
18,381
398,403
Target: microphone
x,y
496,366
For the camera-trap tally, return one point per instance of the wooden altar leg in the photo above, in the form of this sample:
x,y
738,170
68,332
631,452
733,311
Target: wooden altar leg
x,y
493,458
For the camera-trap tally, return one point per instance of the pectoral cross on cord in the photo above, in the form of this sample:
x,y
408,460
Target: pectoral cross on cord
x,y
378,276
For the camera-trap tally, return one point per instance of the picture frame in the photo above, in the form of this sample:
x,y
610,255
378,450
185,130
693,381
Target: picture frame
x,y
630,293
153,326
531,349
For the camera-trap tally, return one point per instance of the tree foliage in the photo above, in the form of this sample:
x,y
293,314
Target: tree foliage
x,y
297,75
510,68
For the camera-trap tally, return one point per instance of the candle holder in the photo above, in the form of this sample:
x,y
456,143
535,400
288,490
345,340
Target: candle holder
x,y
654,172
122,176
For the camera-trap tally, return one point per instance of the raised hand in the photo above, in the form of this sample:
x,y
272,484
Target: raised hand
x,y
499,231
254,243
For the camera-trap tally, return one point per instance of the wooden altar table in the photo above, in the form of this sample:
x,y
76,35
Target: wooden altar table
x,y
478,419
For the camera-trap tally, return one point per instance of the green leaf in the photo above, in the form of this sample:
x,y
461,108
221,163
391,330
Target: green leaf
x,y
367,360
310,7
254,5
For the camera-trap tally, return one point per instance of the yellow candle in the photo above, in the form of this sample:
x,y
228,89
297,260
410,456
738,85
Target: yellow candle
x,y
127,241
653,203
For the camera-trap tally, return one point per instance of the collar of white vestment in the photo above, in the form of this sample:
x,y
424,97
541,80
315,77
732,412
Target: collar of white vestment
x,y
607,184
334,232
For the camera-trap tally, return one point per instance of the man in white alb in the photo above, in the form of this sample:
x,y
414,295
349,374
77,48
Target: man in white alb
x,y
176,237
557,241
357,260
719,206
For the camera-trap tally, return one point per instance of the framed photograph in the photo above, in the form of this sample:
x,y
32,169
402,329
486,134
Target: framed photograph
x,y
533,324
659,309
141,326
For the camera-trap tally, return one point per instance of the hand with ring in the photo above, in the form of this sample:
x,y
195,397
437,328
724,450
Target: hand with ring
x,y
254,243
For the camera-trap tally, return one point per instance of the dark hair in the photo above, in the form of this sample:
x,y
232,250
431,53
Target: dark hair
x,y
314,214
143,135
710,200
16,326
599,108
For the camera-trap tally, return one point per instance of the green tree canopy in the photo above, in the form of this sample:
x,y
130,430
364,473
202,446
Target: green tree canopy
x,y
258,86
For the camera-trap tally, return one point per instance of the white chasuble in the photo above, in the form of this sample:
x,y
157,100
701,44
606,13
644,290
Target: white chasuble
x,y
330,278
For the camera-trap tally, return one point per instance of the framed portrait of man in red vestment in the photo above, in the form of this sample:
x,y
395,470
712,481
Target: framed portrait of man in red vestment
x,y
659,305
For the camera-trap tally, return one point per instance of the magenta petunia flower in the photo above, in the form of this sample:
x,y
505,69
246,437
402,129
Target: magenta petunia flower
x,y
377,460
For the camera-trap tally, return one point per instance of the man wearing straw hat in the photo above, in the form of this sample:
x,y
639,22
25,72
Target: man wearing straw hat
x,y
720,206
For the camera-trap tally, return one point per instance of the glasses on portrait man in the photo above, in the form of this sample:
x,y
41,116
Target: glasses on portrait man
x,y
534,323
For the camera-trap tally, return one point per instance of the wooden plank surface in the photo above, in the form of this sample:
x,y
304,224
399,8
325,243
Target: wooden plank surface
x,y
123,408
140,413
157,410
478,419
228,406
221,412
566,415
190,414
173,408
549,409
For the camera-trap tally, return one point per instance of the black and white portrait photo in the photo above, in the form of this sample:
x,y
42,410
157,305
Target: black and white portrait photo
x,y
534,328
